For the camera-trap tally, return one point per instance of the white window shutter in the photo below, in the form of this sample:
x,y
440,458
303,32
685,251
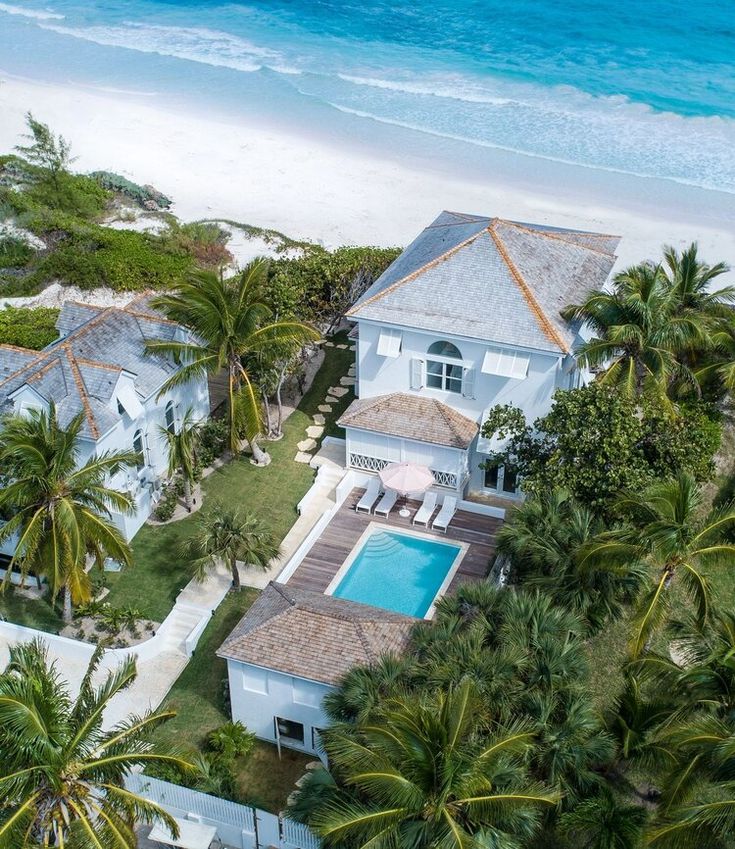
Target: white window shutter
x,y
468,383
417,373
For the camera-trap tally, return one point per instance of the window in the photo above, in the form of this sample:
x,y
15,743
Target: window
x,y
444,367
389,343
504,363
510,479
499,478
255,680
491,476
138,448
170,417
288,729
305,693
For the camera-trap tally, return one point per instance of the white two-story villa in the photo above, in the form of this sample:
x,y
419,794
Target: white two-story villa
x,y
99,366
467,317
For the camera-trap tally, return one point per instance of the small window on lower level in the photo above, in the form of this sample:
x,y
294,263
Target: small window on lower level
x,y
491,476
510,479
288,729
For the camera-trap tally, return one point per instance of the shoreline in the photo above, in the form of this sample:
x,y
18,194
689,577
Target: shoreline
x,y
334,192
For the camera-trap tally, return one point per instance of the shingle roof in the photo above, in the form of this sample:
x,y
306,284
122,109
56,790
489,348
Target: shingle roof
x,y
491,279
411,417
79,371
314,636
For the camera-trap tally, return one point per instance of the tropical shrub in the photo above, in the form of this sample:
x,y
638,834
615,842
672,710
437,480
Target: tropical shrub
x,y
321,285
212,441
231,740
27,327
14,252
142,195
596,442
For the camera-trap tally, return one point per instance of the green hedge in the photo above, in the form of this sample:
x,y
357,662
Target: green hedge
x,y
28,327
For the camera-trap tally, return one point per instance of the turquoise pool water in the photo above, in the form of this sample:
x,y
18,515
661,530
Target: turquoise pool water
x,y
398,572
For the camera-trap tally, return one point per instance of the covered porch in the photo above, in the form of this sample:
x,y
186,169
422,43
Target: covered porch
x,y
408,428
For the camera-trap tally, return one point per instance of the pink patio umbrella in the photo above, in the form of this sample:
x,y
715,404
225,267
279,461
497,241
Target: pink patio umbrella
x,y
405,478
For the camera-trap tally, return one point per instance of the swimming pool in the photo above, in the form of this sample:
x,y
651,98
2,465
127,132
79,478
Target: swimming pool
x,y
399,571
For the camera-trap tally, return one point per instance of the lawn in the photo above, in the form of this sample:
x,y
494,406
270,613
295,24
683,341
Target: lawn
x,y
160,564
32,612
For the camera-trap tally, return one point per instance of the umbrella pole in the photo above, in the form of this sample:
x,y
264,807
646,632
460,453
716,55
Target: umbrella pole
x,y
404,512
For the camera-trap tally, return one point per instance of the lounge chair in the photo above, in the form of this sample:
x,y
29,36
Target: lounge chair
x,y
423,514
386,503
446,514
369,497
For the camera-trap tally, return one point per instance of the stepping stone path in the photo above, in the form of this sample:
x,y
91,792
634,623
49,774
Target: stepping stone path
x,y
302,457
324,408
314,432
337,391
347,381
353,347
341,347
307,444
319,419
329,344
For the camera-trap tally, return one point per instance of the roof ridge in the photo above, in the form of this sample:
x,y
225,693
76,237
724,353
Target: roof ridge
x,y
52,361
97,364
413,274
82,389
144,315
541,317
444,411
6,346
363,639
548,235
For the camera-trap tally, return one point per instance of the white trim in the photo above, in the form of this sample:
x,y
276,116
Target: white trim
x,y
379,527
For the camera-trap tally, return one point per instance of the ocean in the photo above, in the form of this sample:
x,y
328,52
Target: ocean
x,y
642,88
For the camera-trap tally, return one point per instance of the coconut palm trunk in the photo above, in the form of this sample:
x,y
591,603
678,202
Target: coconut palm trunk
x,y
187,490
235,573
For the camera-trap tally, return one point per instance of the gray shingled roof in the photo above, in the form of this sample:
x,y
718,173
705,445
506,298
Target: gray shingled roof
x,y
314,636
79,371
411,417
491,279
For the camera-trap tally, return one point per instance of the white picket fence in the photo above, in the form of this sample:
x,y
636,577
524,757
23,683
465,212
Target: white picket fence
x,y
238,826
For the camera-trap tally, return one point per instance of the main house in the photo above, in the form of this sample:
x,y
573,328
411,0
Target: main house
x,y
99,366
467,317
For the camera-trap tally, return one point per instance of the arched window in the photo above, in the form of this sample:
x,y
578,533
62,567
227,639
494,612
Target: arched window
x,y
170,418
138,448
444,367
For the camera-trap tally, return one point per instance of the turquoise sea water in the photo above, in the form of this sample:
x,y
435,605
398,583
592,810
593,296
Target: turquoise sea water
x,y
645,88
398,572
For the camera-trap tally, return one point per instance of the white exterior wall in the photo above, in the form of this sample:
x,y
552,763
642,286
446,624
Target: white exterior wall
x,y
140,485
258,695
381,375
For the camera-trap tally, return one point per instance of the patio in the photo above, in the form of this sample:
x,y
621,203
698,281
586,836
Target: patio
x,y
329,552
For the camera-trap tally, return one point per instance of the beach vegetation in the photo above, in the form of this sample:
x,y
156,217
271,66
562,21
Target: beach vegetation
x,y
145,196
63,775
28,327
14,252
321,285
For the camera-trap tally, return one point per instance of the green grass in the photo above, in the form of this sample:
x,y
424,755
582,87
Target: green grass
x,y
37,613
199,699
160,564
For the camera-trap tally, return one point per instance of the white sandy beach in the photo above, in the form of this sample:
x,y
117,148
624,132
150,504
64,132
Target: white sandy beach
x,y
314,189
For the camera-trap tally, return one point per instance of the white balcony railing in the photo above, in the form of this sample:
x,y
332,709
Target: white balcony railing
x,y
450,480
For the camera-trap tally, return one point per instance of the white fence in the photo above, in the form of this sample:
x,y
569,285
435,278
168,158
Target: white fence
x,y
238,826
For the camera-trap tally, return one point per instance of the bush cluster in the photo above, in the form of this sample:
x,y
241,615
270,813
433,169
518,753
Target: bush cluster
x,y
212,441
25,327
142,195
14,252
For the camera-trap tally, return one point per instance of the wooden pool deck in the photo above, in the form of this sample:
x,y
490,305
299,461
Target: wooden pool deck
x,y
338,539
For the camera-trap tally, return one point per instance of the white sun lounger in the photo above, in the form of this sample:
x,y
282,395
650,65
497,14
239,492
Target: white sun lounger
x,y
446,514
386,503
369,497
423,514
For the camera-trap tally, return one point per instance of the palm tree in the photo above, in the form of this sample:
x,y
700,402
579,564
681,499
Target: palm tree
x,y
697,806
426,773
636,339
666,534
543,541
226,534
364,688
691,281
63,776
229,321
182,451
604,822
60,510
